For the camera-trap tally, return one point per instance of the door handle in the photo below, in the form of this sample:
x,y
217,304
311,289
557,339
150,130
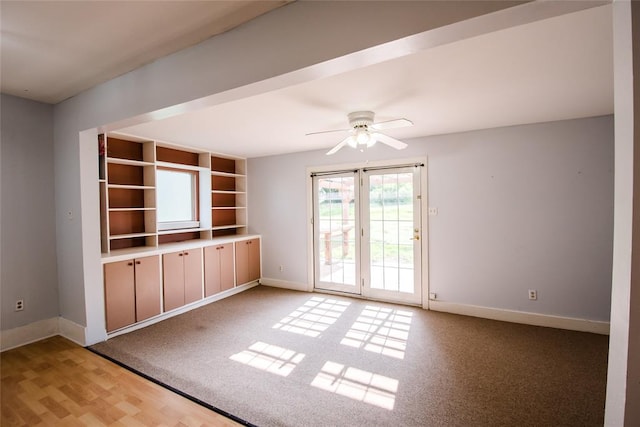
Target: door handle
x,y
415,238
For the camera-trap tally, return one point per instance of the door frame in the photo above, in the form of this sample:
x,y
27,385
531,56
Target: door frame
x,y
424,230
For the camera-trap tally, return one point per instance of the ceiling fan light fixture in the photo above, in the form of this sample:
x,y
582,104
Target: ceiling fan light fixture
x,y
364,132
362,136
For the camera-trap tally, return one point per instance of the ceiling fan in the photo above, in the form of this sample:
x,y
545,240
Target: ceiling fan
x,y
363,132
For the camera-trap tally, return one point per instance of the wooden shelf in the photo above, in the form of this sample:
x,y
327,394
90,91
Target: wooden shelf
x,y
228,207
230,175
119,161
178,166
223,227
131,187
130,209
129,236
228,192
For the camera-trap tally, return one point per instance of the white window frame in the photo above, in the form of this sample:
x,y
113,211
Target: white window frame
x,y
194,222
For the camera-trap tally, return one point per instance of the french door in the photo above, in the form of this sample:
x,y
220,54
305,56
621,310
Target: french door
x,y
367,231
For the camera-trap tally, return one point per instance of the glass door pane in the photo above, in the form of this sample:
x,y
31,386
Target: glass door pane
x,y
391,238
336,239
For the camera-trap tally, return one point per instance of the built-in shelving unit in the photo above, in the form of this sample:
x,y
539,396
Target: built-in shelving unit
x,y
228,196
128,193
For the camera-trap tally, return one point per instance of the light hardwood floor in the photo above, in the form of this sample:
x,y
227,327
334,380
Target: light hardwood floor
x,y
55,382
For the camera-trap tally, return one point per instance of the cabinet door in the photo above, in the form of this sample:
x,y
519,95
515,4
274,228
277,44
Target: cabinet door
x,y
218,269
192,275
242,262
119,294
247,261
173,273
212,283
254,260
147,287
226,266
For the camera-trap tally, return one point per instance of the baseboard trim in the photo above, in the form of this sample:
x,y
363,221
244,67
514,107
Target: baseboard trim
x,y
27,334
535,319
294,286
72,331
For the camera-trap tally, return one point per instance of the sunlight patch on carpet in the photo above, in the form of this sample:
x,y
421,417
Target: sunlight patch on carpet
x,y
380,330
269,358
357,384
313,317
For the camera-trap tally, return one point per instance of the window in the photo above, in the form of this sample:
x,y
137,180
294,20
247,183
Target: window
x,y
177,194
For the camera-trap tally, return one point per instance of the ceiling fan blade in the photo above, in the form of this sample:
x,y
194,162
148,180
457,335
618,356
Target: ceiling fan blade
x,y
327,131
392,124
339,146
391,142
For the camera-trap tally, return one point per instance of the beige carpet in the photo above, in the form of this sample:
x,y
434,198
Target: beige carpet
x,y
283,358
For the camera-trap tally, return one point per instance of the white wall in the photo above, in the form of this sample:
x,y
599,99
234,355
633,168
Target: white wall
x,y
28,253
523,207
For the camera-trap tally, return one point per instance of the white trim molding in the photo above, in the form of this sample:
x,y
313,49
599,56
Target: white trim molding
x,y
36,331
294,286
72,331
534,319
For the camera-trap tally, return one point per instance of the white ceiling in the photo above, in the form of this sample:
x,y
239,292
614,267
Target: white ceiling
x,y
52,50
559,68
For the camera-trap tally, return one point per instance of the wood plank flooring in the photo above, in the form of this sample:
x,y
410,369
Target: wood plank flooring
x,y
56,382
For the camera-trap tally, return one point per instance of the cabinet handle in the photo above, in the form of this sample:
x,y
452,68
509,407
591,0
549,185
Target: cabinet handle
x,y
130,263
180,254
137,262
186,253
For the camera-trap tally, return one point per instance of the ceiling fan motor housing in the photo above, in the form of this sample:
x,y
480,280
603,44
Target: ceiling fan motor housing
x,y
361,119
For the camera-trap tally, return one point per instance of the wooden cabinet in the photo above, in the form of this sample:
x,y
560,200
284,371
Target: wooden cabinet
x,y
247,261
132,291
218,269
182,272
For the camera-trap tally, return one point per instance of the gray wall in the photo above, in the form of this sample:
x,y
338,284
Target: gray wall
x,y
28,253
523,207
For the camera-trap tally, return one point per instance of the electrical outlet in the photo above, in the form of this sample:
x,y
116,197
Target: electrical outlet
x,y
433,296
20,305
433,211
533,294
282,268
